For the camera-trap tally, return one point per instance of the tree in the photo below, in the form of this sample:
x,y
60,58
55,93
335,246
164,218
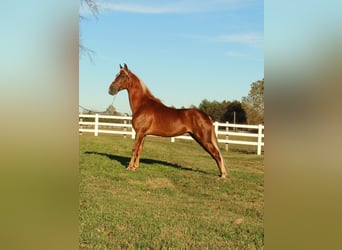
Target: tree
x,y
235,110
214,109
254,103
111,110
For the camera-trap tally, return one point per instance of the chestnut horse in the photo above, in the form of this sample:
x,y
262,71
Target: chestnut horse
x,y
152,117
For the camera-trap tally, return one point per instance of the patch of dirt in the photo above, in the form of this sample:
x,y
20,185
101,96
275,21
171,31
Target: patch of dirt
x,y
159,182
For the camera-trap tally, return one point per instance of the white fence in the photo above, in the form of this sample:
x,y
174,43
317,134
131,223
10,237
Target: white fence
x,y
123,125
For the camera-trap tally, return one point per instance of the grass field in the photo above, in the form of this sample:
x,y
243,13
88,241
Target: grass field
x,y
175,200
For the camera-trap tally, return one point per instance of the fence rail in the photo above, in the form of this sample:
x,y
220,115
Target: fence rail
x,y
123,125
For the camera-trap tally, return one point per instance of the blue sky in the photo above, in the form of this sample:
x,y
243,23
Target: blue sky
x,y
185,51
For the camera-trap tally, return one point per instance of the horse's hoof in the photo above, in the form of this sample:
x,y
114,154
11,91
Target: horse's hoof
x,y
131,168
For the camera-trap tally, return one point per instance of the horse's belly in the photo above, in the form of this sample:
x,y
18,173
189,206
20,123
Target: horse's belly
x,y
168,127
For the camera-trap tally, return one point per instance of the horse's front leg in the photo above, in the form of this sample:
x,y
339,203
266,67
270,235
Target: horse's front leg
x,y
136,151
137,159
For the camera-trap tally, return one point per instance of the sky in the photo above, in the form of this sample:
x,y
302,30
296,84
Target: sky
x,y
185,51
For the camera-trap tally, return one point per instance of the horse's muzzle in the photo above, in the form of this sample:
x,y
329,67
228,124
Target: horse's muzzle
x,y
113,91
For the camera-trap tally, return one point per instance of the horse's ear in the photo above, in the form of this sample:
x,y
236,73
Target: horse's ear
x,y
126,68
120,66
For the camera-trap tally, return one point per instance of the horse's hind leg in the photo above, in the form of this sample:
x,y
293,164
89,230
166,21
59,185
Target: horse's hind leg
x,y
216,154
208,141
219,159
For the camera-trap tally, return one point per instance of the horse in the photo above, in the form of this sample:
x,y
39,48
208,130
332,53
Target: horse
x,y
151,117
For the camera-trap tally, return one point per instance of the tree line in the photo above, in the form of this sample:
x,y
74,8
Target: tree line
x,y
249,111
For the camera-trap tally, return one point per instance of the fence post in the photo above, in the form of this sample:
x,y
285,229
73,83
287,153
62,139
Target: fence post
x,y
172,139
133,133
125,128
216,128
259,139
227,137
81,126
96,126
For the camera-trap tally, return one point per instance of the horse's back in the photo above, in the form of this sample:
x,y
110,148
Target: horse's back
x,y
159,119
188,115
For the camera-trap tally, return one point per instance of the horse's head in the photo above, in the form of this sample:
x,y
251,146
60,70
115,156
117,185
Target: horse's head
x,y
121,81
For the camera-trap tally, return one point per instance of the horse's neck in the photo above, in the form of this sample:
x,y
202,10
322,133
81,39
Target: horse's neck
x,y
139,94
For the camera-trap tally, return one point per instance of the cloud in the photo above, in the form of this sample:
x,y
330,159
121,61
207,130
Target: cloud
x,y
136,8
251,39
175,6
236,54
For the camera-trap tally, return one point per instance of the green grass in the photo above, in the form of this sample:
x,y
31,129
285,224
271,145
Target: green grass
x,y
175,200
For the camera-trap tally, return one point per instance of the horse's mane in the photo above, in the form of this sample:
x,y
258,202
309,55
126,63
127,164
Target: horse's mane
x,y
145,89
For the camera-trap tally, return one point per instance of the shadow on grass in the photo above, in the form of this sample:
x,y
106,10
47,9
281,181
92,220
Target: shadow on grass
x,y
125,161
243,151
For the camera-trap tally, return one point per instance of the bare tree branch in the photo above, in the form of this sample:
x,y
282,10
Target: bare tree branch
x,y
93,7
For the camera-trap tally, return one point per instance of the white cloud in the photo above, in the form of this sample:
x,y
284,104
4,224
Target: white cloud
x,y
251,39
236,54
136,8
175,6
